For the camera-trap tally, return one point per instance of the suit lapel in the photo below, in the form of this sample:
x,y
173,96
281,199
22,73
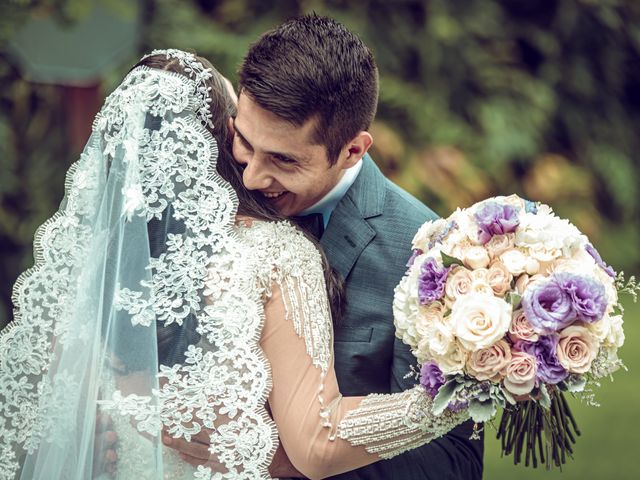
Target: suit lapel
x,y
348,231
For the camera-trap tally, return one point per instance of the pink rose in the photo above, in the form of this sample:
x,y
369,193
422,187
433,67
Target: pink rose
x,y
490,363
500,244
499,278
577,348
521,329
458,283
521,373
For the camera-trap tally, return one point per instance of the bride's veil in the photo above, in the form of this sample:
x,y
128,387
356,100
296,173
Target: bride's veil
x,y
139,272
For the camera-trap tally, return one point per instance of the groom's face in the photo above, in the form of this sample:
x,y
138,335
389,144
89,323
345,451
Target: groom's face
x,y
281,160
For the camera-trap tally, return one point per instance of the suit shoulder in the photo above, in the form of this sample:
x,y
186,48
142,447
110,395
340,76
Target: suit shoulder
x,y
400,203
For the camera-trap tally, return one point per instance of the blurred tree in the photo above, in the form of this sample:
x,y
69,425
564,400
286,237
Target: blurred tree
x,y
478,97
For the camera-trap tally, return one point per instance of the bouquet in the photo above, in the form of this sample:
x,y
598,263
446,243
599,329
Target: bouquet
x,y
506,305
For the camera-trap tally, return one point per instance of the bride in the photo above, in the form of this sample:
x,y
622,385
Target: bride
x,y
166,296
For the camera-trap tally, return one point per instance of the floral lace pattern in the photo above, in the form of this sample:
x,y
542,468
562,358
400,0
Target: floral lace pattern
x,y
167,167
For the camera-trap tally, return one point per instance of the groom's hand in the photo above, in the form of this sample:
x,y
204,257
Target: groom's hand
x,y
195,452
281,466
104,446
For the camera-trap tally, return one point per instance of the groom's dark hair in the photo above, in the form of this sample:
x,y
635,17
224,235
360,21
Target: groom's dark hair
x,y
313,67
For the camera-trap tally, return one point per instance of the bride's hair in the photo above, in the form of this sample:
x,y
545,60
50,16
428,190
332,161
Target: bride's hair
x,y
250,203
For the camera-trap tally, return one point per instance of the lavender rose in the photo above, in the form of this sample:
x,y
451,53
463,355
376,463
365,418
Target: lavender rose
x,y
545,351
598,259
431,378
588,296
431,281
495,219
548,307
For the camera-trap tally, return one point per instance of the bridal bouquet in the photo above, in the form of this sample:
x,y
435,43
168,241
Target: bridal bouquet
x,y
507,305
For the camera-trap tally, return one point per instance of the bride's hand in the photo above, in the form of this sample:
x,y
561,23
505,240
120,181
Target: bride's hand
x,y
196,452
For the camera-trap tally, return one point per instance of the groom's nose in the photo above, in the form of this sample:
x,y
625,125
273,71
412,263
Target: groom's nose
x,y
255,175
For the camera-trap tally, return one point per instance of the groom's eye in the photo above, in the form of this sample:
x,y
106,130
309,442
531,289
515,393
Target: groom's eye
x,y
284,159
244,142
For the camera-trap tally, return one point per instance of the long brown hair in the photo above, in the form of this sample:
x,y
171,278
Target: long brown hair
x,y
250,203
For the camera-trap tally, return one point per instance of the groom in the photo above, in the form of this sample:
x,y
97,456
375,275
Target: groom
x,y
308,94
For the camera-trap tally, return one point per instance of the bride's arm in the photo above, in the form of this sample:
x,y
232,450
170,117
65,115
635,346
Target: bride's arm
x,y
323,433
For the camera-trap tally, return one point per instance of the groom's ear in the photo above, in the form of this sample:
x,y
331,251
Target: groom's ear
x,y
230,127
355,149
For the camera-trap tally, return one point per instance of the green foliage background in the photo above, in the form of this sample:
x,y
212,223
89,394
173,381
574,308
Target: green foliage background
x,y
478,97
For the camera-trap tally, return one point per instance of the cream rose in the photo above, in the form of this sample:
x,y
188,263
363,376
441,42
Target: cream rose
x,y
577,348
521,329
499,278
454,360
490,363
615,337
480,282
500,244
515,261
524,281
438,340
480,320
601,328
458,283
532,266
475,257
521,373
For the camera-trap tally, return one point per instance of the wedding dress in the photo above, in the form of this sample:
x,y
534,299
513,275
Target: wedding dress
x,y
152,302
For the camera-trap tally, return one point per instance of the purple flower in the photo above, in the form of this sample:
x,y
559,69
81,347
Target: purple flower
x,y
496,219
415,254
431,378
587,296
549,368
431,281
596,256
548,307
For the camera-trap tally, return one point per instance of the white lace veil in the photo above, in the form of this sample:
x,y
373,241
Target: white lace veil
x,y
138,272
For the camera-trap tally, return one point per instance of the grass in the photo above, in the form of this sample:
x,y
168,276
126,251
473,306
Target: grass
x,y
609,447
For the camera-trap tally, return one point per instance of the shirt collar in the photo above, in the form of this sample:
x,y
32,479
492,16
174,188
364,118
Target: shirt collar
x,y
328,203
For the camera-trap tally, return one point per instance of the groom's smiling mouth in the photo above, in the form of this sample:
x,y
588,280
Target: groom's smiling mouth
x,y
273,195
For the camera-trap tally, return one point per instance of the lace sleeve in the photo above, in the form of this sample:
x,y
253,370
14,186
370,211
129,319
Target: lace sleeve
x,y
323,433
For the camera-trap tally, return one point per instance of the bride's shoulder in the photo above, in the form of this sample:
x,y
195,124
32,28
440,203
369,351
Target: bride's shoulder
x,y
276,241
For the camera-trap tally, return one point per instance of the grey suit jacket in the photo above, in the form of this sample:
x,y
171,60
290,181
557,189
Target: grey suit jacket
x,y
368,240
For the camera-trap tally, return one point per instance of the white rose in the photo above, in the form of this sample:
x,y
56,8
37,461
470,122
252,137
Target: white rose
x,y
480,320
515,261
439,340
454,360
532,266
616,333
476,257
601,328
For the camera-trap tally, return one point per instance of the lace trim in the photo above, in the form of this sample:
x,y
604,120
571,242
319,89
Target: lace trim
x,y
388,425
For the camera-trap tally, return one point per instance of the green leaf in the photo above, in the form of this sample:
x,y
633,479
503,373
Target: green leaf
x,y
575,383
445,396
545,399
482,411
514,299
448,260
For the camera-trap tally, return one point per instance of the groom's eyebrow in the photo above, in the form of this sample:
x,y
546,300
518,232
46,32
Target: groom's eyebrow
x,y
292,156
